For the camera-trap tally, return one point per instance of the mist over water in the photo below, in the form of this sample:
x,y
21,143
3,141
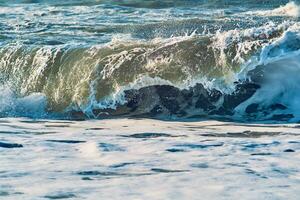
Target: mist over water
x,y
100,59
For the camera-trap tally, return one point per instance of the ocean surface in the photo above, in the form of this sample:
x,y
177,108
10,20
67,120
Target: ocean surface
x,y
149,99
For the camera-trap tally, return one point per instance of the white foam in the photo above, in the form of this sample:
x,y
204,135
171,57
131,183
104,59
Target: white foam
x,y
89,150
33,105
291,9
280,83
234,167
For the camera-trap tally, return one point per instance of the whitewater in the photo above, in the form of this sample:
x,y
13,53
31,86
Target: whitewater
x,y
133,99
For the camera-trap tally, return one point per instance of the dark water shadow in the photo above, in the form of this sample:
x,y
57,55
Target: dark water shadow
x,y
255,173
96,129
67,141
33,121
108,147
254,145
200,146
148,135
120,165
10,145
95,174
160,170
57,126
244,134
61,195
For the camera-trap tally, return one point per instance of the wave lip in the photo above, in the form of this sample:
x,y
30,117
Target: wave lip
x,y
291,9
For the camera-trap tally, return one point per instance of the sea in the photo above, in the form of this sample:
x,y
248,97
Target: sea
x,y
150,99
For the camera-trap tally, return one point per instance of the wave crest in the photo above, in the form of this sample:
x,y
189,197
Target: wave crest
x,y
123,76
291,9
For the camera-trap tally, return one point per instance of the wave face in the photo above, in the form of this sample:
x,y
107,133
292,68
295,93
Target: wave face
x,y
184,60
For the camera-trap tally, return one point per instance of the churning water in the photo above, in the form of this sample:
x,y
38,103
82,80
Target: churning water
x,y
181,63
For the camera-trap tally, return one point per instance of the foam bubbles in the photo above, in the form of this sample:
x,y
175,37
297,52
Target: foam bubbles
x,y
33,105
278,68
291,9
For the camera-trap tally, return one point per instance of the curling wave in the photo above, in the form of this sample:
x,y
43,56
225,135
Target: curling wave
x,y
241,74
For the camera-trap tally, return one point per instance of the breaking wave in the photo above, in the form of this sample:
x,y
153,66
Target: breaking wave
x,y
241,74
291,9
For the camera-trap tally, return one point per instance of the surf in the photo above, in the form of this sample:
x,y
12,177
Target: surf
x,y
207,72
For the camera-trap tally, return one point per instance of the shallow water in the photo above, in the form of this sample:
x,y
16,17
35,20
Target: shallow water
x,y
148,159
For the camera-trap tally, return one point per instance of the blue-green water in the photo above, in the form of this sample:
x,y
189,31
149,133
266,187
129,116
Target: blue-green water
x,y
162,59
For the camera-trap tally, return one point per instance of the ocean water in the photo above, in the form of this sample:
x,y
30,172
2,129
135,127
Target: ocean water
x,y
148,159
136,99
